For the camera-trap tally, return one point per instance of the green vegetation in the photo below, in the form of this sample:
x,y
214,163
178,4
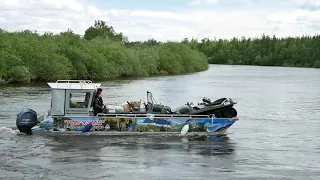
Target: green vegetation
x,y
105,54
264,51
100,55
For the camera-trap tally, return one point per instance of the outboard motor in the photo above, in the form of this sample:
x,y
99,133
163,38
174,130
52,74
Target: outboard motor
x,y
26,119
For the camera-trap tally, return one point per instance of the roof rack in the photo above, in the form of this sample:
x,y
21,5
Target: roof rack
x,y
75,81
74,84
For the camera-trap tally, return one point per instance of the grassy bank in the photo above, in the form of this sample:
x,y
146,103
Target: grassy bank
x,y
263,51
102,54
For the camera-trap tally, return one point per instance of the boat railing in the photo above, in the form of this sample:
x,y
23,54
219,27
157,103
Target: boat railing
x,y
75,81
74,84
154,115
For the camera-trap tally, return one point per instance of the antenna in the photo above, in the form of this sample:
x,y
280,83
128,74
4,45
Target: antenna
x,y
116,100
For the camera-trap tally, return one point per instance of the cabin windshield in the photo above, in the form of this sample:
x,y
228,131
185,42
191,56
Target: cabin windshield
x,y
79,99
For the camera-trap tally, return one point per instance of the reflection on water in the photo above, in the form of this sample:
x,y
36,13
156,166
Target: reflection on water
x,y
203,145
120,156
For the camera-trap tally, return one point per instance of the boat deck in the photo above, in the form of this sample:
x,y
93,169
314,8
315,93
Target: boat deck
x,y
154,115
148,115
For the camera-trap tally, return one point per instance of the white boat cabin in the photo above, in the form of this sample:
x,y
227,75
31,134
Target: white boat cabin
x,y
72,98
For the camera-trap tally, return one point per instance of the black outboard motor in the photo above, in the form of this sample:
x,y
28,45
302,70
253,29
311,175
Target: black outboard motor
x,y
26,119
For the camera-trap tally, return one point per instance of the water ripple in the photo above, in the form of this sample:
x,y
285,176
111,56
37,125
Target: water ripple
x,y
277,136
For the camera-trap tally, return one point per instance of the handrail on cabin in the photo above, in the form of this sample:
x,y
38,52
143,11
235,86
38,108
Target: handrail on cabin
x,y
74,81
154,115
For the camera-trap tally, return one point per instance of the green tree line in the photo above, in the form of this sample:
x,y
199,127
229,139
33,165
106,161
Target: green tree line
x,y
103,54
265,51
100,54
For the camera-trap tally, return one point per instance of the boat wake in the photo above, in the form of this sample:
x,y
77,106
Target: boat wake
x,y
7,130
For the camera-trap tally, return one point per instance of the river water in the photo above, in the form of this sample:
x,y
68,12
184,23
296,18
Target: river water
x,y
277,136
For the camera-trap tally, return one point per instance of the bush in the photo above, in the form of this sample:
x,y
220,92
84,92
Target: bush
x,y
102,54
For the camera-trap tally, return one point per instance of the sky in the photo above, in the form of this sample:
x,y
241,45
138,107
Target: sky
x,y
164,20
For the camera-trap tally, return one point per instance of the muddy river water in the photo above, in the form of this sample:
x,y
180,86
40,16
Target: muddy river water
x,y
277,135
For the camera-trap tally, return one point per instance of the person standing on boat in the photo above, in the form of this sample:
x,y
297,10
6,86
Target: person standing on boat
x,y
98,106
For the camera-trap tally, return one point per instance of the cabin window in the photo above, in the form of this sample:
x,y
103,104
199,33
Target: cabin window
x,y
79,100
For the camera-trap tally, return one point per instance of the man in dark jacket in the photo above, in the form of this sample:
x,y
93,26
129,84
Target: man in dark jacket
x,y
98,106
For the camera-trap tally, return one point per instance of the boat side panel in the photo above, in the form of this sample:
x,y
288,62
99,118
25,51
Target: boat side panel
x,y
144,124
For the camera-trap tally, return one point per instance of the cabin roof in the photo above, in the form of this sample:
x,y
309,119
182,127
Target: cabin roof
x,y
74,84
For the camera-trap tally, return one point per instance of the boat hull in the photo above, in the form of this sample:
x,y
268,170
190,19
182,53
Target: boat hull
x,y
138,124
39,131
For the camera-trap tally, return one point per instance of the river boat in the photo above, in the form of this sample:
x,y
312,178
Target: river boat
x,y
71,112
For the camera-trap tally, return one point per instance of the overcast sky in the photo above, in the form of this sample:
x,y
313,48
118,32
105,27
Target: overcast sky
x,y
166,19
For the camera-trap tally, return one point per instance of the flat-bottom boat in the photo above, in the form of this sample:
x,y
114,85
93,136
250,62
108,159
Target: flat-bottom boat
x,y
71,113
